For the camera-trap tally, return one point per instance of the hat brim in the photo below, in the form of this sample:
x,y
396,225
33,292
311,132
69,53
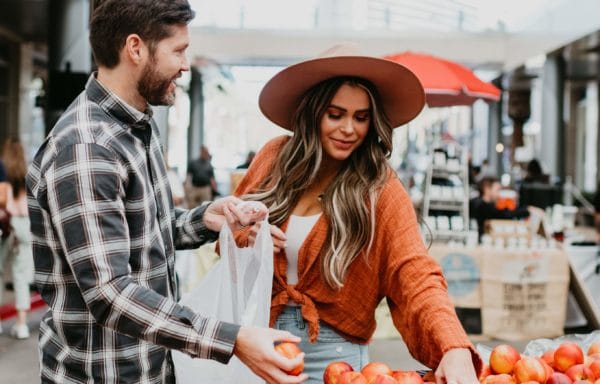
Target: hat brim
x,y
401,92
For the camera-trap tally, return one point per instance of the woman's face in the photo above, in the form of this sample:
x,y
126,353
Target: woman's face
x,y
345,123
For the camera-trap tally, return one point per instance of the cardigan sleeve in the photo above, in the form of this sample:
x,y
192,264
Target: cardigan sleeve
x,y
414,285
259,169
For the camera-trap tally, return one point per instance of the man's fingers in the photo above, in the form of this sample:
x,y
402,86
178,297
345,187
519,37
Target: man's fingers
x,y
231,220
287,364
234,200
254,210
285,336
240,216
280,377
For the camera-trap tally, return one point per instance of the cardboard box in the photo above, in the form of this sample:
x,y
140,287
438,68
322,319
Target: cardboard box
x,y
524,293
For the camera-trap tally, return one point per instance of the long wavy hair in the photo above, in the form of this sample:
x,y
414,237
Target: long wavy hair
x,y
13,157
350,200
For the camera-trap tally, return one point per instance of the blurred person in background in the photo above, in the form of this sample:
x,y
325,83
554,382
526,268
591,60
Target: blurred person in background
x,y
248,160
484,170
3,183
483,207
200,183
4,224
18,248
344,228
534,173
104,227
177,191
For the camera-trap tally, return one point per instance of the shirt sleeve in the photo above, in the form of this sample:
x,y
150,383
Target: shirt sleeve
x,y
190,230
414,285
86,203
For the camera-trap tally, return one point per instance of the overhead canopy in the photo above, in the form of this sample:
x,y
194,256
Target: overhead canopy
x,y
446,83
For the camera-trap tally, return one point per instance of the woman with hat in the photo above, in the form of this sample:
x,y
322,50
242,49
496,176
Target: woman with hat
x,y
345,232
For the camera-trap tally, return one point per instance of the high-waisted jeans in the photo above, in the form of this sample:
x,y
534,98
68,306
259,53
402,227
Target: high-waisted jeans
x,y
330,346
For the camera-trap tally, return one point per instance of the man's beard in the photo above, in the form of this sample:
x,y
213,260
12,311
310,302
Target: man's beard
x,y
154,87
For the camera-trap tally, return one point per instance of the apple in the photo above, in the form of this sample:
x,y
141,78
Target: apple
x,y
595,356
566,356
548,357
374,369
587,360
381,379
502,378
594,348
334,370
580,372
485,372
559,378
290,350
547,368
595,369
530,369
407,377
503,359
351,377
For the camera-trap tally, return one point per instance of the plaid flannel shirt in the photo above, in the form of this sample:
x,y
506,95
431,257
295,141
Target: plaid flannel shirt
x,y
104,239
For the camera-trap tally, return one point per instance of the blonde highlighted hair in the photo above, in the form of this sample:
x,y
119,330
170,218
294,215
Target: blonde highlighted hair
x,y
350,200
15,164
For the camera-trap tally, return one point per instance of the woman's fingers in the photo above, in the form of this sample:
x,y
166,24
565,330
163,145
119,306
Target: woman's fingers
x,y
279,239
277,233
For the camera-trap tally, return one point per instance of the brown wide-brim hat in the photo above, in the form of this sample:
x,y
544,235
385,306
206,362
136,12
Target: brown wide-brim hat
x,y
401,93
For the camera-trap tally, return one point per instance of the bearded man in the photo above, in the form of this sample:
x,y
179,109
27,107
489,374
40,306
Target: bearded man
x,y
104,227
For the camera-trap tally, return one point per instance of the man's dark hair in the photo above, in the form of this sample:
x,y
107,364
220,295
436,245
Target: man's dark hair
x,y
114,20
487,182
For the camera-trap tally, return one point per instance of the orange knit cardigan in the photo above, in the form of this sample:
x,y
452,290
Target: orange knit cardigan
x,y
398,268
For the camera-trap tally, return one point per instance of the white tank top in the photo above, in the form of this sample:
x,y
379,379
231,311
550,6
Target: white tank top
x,y
297,230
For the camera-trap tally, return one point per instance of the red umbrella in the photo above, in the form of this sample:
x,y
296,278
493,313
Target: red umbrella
x,y
446,83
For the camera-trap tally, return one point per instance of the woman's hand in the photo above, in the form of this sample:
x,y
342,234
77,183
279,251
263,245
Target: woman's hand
x,y
237,213
276,233
456,367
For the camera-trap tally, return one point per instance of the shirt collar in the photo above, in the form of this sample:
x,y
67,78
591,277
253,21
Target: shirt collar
x,y
115,106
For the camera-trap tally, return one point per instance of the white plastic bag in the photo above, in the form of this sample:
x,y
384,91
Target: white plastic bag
x,y
236,290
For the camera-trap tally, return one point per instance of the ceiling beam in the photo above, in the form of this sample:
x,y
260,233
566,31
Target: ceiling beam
x,y
276,47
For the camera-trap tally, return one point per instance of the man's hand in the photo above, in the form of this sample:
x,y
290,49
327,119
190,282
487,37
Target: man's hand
x,y
456,367
235,212
255,348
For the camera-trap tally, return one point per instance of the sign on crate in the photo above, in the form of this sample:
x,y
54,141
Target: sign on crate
x,y
462,269
524,293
